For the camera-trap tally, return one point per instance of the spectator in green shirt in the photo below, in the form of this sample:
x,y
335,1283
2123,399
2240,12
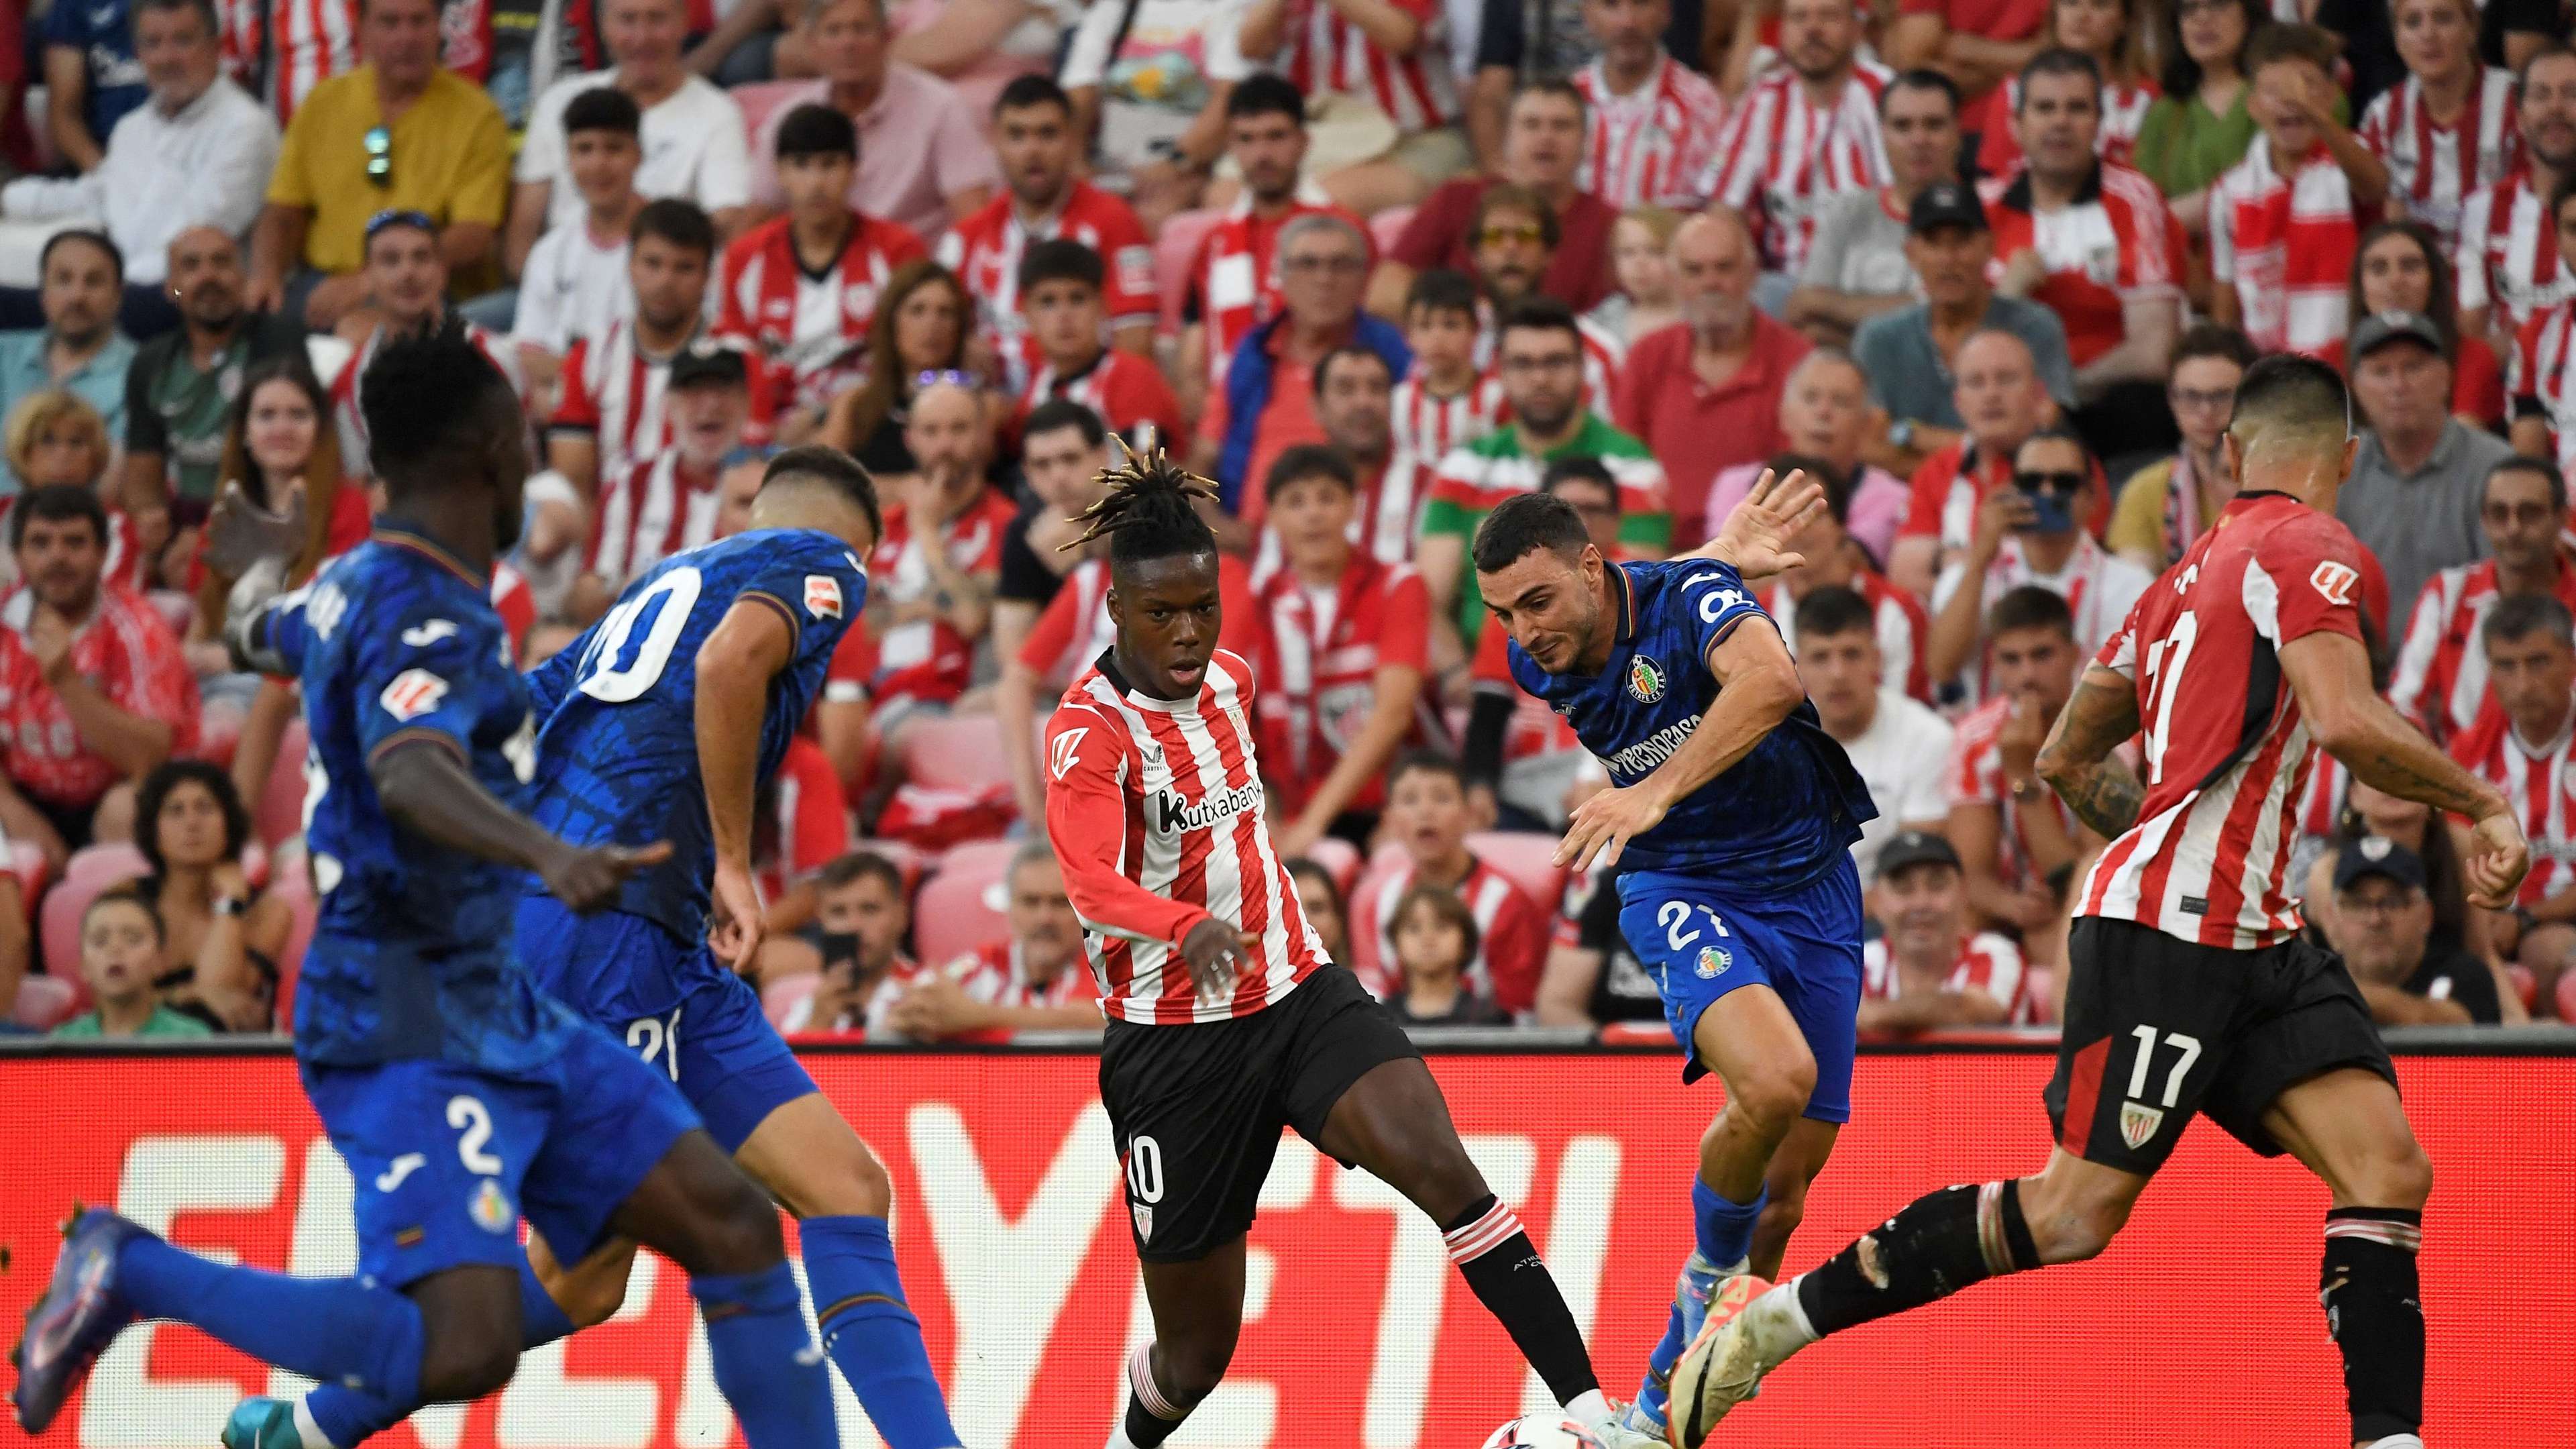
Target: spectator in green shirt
x,y
2200,126
121,945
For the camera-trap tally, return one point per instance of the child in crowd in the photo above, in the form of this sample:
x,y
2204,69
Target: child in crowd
x,y
574,284
1067,317
1428,814
1446,403
2285,221
121,951
1435,938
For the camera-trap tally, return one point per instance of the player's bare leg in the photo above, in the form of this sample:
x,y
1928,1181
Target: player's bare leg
x,y
1198,1312
2349,1129
1794,1165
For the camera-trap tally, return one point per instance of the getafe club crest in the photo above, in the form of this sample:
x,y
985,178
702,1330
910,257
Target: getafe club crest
x,y
1645,680
1713,961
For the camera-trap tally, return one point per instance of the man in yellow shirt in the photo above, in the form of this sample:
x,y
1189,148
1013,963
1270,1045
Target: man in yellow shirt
x,y
397,133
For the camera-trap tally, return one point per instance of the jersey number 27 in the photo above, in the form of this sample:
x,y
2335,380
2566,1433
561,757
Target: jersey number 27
x,y
2165,660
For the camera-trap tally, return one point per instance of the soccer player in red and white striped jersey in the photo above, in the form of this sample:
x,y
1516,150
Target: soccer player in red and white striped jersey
x,y
2522,743
2192,990
1804,131
1650,122
2510,259
2440,678
1932,969
611,411
1227,1022
2449,130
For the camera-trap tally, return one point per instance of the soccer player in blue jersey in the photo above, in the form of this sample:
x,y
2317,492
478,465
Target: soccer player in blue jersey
x,y
1729,820
460,1096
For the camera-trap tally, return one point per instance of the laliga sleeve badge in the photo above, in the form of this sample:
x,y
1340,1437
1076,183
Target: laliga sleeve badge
x,y
822,596
414,692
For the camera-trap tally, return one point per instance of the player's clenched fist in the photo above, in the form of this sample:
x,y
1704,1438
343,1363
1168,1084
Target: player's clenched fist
x,y
2498,858
588,880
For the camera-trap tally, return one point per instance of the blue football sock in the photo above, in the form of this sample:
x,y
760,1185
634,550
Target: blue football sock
x,y
1725,1228
1655,1394
765,1361
337,1330
871,1334
349,1416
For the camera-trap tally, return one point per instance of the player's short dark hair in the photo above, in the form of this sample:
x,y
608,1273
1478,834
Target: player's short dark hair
x,y
1580,469
1923,78
1426,762
603,108
2030,607
102,241
1265,93
2287,389
1443,903
1355,351
1522,525
1060,412
57,503
2525,463
1834,610
834,469
1442,290
428,400
816,130
2212,339
1309,460
2279,41
2524,615
1033,90
1060,259
677,221
2057,60
861,865
1506,196
128,893
155,792
1150,511
1540,314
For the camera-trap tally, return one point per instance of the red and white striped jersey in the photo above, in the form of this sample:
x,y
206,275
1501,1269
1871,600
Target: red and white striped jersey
x,y
1512,934
1126,391
1604,353
812,330
1235,277
1325,649
2098,585
2209,857
2509,258
2440,679
1075,626
928,659
1326,51
2535,782
2115,243
985,250
2321,808
1988,963
1389,519
1780,154
655,509
313,41
997,974
1901,626
612,389
2124,112
2539,381
1154,807
2286,244
352,423
1428,425
1977,778
2432,170
1648,148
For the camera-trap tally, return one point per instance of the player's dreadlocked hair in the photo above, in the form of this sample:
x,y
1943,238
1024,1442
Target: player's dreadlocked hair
x,y
1148,511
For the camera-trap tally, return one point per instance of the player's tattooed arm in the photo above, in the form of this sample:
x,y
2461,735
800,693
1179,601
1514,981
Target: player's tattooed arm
x,y
2078,761
2106,796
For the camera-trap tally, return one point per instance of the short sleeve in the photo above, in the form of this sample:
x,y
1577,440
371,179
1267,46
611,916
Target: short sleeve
x,y
2222,232
2047,337
422,672
1425,241
578,412
1052,636
819,593
2315,572
541,150
1713,600
1920,796
1968,779
540,321
1025,577
157,682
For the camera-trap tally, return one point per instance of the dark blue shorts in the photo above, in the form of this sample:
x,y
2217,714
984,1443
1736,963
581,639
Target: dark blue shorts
x,y
1700,940
675,1004
445,1158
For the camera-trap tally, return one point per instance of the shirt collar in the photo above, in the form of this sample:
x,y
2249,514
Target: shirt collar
x,y
2017,195
1623,597
401,535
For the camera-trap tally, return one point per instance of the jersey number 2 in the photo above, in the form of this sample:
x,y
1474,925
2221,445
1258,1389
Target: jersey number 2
x,y
609,672
2165,661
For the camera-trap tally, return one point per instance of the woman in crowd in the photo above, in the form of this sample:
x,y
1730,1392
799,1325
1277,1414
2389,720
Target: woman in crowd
x,y
921,327
122,948
2106,30
1319,899
1640,244
224,940
2400,267
2449,96
2200,127
54,437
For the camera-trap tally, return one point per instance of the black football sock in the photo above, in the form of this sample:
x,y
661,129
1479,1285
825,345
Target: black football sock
x,y
1151,1418
1940,1244
1511,1280
2376,1314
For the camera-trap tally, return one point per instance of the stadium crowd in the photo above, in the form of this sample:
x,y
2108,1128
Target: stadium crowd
x,y
1989,271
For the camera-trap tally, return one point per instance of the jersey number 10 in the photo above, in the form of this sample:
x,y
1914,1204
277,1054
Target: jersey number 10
x,y
609,671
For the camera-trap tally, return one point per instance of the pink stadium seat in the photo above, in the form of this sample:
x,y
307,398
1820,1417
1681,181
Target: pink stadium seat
x,y
960,906
45,1002
1338,857
1525,857
279,813
1387,226
1173,251
783,996
58,927
2567,996
101,866
2525,985
758,101
2042,992
960,753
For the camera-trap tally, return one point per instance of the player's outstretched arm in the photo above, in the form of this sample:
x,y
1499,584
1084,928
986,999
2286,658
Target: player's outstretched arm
x,y
746,650
1754,540
2330,674
2077,760
425,787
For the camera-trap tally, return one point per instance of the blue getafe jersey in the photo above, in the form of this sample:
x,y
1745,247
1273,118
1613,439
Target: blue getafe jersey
x,y
1782,814
617,745
411,956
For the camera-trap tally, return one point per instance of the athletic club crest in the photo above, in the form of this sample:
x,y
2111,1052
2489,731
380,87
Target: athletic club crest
x,y
1144,1221
1645,680
2138,1124
1713,961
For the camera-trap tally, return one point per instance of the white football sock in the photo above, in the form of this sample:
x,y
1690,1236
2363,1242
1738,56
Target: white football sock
x,y
1588,1408
309,1431
2398,1441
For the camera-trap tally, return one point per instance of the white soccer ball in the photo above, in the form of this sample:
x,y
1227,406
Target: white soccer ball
x,y
1543,1431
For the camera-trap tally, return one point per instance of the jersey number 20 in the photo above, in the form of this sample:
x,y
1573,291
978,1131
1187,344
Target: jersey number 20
x,y
621,666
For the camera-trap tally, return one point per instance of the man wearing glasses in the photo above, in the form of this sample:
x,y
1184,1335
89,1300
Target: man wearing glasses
x,y
2441,673
396,134
2164,506
1513,244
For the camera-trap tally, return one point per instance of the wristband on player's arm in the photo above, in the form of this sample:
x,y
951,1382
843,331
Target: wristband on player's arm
x,y
1489,718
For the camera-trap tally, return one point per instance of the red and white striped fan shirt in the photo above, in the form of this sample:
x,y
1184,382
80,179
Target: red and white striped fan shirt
x,y
1154,807
2434,169
656,509
1988,963
2536,783
1124,390
997,974
2509,257
2097,584
985,250
1977,778
2542,380
1901,626
1235,277
1325,649
1389,519
1326,51
1512,935
811,330
305,43
514,601
2124,112
1648,148
2440,679
928,659
2114,244
1780,154
1428,425
2286,244
613,389
2208,860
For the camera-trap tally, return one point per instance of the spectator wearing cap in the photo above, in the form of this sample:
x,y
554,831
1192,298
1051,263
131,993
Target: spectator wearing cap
x,y
79,349
1929,969
2544,353
2401,267
2440,677
1898,745
197,153
397,133
1704,394
2165,505
406,279
922,161
1858,266
2091,240
2419,475
1825,424
2521,744
1912,354
2028,534
573,281
667,503
2383,929
1542,149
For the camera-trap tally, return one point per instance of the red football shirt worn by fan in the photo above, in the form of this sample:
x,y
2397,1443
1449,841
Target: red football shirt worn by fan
x,y
1987,963
996,974
2114,244
2208,859
811,329
1325,649
985,250
2440,679
2534,780
1154,807
1125,390
1512,933
127,651
927,659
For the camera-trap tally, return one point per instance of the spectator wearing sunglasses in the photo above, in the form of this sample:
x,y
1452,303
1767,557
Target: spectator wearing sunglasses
x,y
397,133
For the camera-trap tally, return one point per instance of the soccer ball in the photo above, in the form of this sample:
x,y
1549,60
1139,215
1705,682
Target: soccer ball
x,y
1543,1431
